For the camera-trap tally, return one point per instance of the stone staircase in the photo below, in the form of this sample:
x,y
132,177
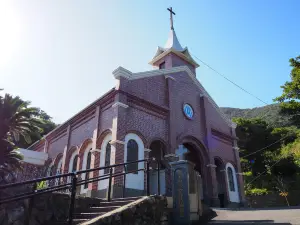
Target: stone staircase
x,y
100,209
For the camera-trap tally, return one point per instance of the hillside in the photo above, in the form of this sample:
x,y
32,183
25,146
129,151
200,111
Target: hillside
x,y
269,113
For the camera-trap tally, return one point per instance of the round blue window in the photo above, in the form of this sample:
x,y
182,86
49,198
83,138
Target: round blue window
x,y
188,111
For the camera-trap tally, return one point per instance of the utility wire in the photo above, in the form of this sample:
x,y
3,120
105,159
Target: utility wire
x,y
266,146
263,172
243,89
258,100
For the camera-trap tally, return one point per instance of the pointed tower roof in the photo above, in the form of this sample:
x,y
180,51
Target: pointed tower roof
x,y
173,42
173,45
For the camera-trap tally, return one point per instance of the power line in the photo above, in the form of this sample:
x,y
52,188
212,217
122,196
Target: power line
x,y
263,172
243,89
266,146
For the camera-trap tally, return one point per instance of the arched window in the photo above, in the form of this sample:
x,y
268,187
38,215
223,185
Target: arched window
x,y
58,172
132,155
230,179
107,157
88,166
75,161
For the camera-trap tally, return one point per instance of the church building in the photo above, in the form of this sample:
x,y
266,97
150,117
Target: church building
x,y
164,113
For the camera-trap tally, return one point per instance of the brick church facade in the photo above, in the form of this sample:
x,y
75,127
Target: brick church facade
x,y
156,113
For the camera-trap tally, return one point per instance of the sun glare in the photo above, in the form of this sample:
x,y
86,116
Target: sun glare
x,y
9,32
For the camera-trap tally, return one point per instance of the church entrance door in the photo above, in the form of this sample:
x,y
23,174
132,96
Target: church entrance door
x,y
193,156
221,182
157,152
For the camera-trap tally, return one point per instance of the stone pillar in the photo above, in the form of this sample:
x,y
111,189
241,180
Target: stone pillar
x,y
181,201
214,200
117,143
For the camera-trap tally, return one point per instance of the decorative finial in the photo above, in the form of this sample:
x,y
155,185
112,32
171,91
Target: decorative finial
x,y
171,17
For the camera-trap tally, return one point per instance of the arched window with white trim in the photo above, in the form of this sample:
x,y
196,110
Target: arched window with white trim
x,y
133,151
58,171
232,183
106,155
88,166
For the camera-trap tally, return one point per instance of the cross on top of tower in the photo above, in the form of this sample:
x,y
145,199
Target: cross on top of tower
x,y
171,17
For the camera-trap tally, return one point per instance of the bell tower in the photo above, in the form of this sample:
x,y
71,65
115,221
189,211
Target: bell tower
x,y
173,54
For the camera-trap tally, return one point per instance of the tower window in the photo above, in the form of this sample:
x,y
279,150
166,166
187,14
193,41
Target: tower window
x,y
162,65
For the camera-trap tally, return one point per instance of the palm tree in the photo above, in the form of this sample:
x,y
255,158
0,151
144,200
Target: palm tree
x,y
17,120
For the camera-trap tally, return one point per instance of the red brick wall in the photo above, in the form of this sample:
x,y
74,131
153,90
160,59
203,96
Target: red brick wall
x,y
151,89
57,146
183,90
82,132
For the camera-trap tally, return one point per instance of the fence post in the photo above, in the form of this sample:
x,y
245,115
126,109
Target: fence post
x,y
30,205
109,184
73,195
124,181
158,177
148,178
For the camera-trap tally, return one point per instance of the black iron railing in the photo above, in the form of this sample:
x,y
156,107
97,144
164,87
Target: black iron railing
x,y
71,184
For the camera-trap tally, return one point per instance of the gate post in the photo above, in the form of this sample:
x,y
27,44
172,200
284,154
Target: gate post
x,y
186,193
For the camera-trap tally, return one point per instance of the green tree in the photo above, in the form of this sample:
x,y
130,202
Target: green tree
x,y
289,100
20,124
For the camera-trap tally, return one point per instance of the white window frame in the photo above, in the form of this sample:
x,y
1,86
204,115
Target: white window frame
x,y
103,184
84,164
135,181
71,163
233,195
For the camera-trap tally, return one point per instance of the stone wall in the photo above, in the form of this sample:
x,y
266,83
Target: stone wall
x,y
274,200
46,209
150,210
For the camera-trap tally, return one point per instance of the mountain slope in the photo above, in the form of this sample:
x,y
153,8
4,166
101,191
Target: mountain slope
x,y
269,113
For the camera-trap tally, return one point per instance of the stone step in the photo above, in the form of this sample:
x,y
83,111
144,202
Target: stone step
x,y
102,208
88,215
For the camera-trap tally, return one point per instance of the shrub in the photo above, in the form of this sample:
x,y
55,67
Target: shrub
x,y
256,191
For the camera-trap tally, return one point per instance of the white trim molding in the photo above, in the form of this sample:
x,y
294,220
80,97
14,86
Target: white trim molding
x,y
120,104
117,141
236,148
121,72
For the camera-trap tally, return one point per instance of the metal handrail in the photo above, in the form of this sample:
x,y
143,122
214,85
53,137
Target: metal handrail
x,y
74,183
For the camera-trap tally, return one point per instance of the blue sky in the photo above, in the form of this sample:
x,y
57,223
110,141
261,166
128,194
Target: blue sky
x,y
60,54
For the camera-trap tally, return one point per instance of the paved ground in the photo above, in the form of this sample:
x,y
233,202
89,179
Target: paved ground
x,y
282,216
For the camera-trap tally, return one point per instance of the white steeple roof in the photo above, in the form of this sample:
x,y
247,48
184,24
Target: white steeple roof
x,y
174,46
173,42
